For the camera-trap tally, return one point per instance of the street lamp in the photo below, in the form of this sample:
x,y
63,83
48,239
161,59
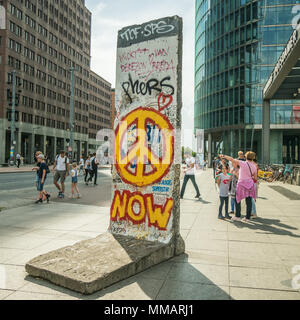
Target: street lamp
x,y
12,131
70,149
34,129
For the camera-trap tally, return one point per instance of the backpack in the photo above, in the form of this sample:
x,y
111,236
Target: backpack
x,y
94,165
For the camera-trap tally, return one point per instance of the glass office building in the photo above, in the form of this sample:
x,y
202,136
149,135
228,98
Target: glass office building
x,y
237,44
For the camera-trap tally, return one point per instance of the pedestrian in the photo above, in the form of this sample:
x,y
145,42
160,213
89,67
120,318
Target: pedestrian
x,y
235,177
253,211
18,158
46,160
37,165
245,187
189,174
287,172
94,168
223,181
81,165
42,171
204,165
214,164
241,156
74,175
87,169
61,168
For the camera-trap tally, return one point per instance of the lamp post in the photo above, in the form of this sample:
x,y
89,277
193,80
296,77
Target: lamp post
x,y
70,150
13,110
35,128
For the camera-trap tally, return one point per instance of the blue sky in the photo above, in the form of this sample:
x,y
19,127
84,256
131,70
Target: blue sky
x,y
110,16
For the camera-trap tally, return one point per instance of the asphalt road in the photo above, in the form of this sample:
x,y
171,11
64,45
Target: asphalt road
x,y
21,180
17,189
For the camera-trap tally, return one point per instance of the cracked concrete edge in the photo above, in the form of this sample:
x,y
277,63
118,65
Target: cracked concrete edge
x,y
162,254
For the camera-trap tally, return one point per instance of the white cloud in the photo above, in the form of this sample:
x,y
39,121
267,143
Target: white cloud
x,y
110,16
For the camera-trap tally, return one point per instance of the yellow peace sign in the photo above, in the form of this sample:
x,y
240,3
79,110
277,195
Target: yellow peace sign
x,y
140,153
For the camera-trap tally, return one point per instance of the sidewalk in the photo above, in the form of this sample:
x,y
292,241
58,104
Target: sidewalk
x,y
223,260
15,169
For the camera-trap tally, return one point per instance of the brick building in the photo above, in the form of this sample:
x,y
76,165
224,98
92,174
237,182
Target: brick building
x,y
42,40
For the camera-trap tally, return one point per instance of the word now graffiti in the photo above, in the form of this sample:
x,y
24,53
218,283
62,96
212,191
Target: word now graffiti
x,y
131,87
123,208
152,28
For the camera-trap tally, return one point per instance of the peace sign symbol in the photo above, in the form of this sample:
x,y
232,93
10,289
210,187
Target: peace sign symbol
x,y
148,167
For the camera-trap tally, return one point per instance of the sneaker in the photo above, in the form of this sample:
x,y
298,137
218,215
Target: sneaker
x,y
245,220
231,212
59,194
227,217
78,195
236,219
197,196
62,195
221,217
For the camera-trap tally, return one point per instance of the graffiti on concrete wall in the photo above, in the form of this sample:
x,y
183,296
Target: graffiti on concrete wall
x,y
144,177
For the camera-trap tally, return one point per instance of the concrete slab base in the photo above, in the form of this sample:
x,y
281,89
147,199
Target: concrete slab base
x,y
91,265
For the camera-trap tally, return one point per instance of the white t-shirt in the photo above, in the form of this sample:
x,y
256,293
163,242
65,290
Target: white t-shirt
x,y
190,161
74,173
81,162
18,156
61,163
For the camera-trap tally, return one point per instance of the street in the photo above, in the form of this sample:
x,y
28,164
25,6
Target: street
x,y
18,189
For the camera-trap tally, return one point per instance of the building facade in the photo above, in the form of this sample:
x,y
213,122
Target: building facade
x,y
237,45
113,107
42,40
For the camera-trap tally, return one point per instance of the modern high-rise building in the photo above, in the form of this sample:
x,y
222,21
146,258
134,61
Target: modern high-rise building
x,y
237,45
42,41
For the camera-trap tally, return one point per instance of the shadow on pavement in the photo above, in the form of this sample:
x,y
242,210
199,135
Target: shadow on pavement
x,y
181,282
271,226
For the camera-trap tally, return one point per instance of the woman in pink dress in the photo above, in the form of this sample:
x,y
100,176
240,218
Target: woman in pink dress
x,y
245,187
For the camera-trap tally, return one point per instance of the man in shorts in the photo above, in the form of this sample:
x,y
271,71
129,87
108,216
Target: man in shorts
x,y
61,164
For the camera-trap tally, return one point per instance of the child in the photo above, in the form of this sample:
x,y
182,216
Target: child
x,y
74,175
42,169
234,181
223,181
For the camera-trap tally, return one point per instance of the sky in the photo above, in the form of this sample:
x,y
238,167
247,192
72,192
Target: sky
x,y
109,16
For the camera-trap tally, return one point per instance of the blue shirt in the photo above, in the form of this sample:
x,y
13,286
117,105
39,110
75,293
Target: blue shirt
x,y
43,167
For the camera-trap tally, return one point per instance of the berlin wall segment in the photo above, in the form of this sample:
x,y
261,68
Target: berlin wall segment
x,y
146,177
145,208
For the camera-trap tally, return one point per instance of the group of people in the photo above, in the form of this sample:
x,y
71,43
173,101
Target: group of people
x,y
61,170
237,178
